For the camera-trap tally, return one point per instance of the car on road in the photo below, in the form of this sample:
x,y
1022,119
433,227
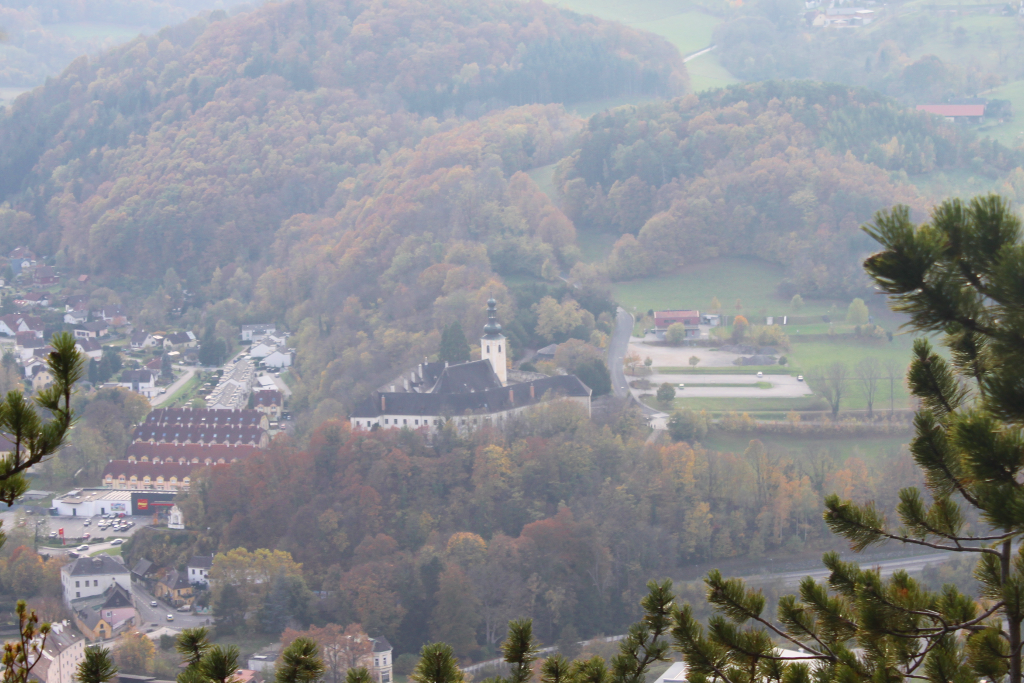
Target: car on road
x,y
82,548
154,603
86,523
799,378
73,555
760,374
170,617
117,541
86,535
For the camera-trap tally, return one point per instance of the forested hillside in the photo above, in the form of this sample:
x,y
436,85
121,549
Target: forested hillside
x,y
555,519
782,171
44,36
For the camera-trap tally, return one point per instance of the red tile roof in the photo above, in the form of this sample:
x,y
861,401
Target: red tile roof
x,y
118,468
192,452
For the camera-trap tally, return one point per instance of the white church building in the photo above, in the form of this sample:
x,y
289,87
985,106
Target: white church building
x,y
472,394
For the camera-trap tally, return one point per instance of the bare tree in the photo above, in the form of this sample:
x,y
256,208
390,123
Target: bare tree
x,y
894,371
869,371
831,382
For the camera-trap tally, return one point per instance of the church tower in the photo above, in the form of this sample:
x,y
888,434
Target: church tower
x,y
492,344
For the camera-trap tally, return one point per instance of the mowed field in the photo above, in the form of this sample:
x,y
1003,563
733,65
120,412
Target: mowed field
x,y
683,23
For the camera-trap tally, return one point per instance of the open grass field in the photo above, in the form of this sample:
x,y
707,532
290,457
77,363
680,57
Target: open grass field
x,y
752,281
957,183
543,176
1010,133
866,447
681,22
707,73
758,408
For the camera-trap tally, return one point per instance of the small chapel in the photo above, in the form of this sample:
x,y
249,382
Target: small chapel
x,y
472,394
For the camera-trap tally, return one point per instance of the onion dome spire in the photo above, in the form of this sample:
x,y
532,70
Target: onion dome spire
x,y
492,328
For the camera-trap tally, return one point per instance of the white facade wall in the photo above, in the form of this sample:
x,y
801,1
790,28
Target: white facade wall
x,y
464,422
75,587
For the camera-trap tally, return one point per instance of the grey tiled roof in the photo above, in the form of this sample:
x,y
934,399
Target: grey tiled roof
x,y
482,402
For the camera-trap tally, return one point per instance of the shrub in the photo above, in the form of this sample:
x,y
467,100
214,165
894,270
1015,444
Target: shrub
x,y
676,334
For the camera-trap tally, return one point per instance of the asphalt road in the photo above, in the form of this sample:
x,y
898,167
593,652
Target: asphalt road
x,y
888,568
155,617
617,346
178,383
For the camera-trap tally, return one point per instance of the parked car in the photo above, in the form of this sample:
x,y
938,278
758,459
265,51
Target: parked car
x,y
799,378
53,534
185,608
86,535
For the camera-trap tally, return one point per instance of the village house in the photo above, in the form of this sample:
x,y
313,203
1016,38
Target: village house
x,y
268,402
250,332
11,324
76,317
140,381
279,358
180,340
42,379
90,576
141,340
174,588
383,664
90,348
199,569
26,343
44,276
146,573
33,300
113,315
105,615
92,330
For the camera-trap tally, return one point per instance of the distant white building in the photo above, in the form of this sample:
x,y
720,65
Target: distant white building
x,y
250,332
199,570
90,576
281,358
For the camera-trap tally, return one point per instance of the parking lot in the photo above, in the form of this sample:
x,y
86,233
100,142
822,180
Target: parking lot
x,y
75,528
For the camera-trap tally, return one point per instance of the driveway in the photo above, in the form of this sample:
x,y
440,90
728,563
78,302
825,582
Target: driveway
x,y
780,386
178,383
